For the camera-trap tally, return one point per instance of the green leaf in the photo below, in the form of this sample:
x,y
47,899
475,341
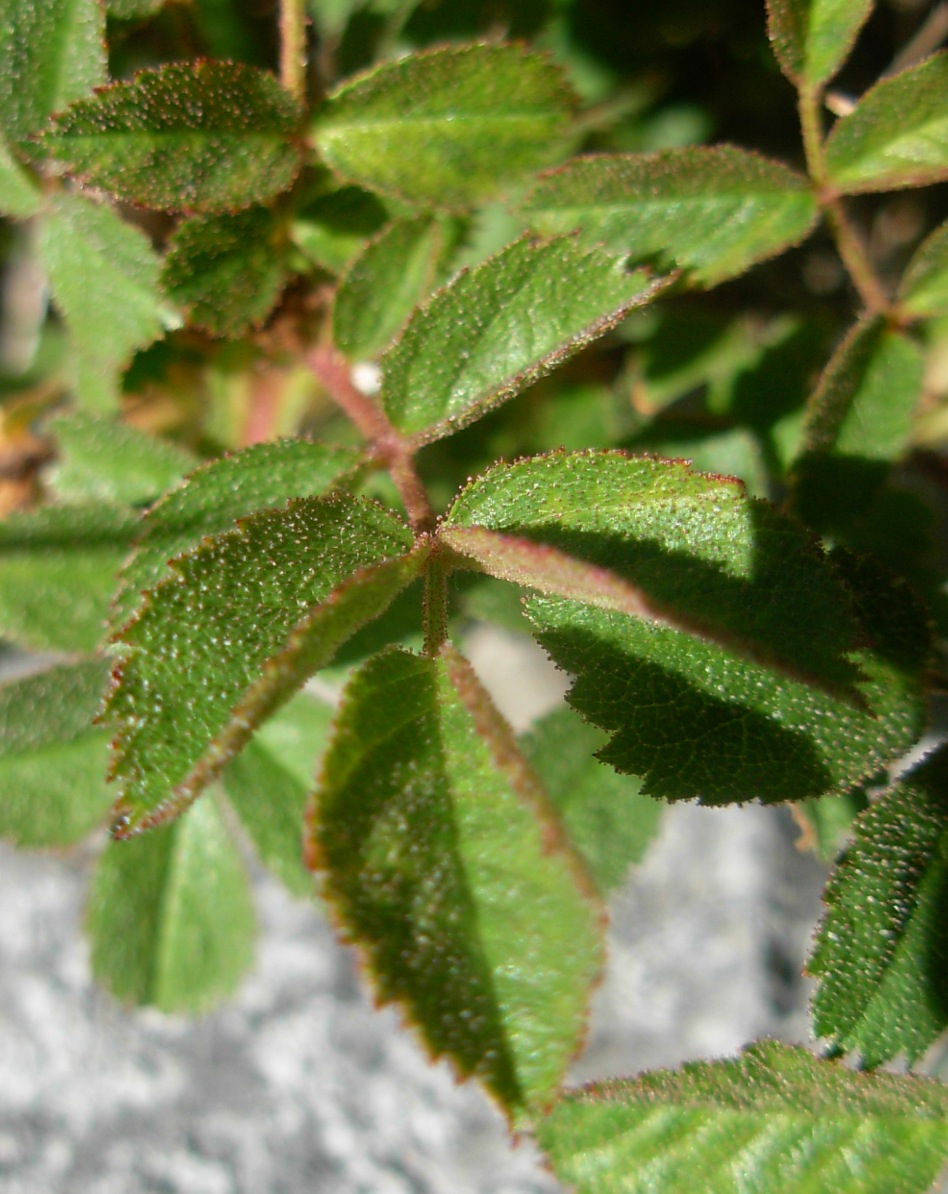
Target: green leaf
x,y
58,571
232,633
20,196
812,38
52,759
712,212
652,539
882,950
620,541
605,814
127,10
386,281
449,127
269,783
226,270
826,822
448,869
924,289
897,135
776,1118
212,499
104,277
332,229
198,137
494,329
112,461
171,918
53,52
858,423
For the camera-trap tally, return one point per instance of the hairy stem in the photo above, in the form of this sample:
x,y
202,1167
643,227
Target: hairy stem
x,y
293,47
387,447
848,244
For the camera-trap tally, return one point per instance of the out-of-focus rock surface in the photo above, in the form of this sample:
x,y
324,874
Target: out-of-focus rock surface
x,y
299,1085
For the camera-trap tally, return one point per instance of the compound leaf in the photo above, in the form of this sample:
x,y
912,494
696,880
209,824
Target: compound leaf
x,y
58,571
605,814
214,496
448,127
233,631
200,137
269,783
707,632
858,422
112,461
774,1118
897,135
448,869
384,283
52,759
493,330
104,277
882,950
227,271
171,917
53,52
712,212
924,289
812,38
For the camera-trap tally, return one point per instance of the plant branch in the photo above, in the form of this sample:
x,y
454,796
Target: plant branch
x,y
848,244
387,447
293,47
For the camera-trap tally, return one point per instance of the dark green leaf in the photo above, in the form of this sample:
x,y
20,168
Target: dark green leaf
x,y
857,424
449,127
20,195
171,918
711,212
113,461
269,782
390,276
52,760
200,137
493,330
447,867
58,571
227,270
605,814
652,539
104,277
232,633
628,541
126,10
215,496
897,135
924,289
776,1118
826,822
882,950
52,52
812,38
332,229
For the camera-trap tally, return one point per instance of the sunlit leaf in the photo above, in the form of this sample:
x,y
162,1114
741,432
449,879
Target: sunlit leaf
x,y
212,499
171,918
710,212
493,330
52,759
776,1118
924,289
897,135
813,38
448,127
448,869
20,195
201,137
882,950
233,631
